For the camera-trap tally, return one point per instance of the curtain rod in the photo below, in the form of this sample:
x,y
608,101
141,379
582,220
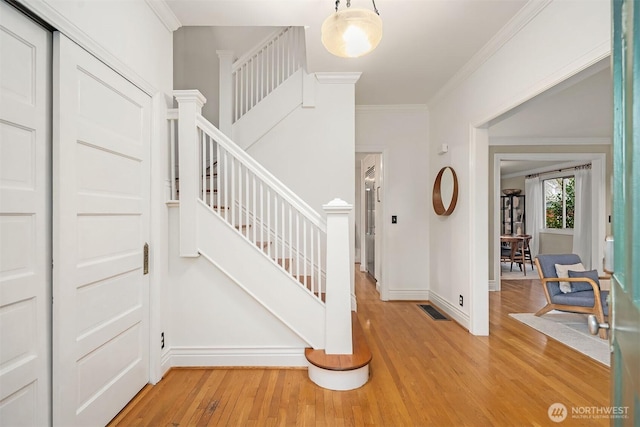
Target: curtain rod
x,y
535,175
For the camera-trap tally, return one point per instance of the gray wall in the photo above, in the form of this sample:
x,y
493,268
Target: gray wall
x,y
195,61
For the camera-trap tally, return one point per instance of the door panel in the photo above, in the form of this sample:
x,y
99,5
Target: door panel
x,y
100,223
25,220
625,286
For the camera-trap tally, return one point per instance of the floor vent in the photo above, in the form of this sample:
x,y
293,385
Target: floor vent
x,y
432,311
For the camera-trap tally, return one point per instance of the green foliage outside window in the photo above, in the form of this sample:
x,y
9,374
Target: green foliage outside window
x,y
559,202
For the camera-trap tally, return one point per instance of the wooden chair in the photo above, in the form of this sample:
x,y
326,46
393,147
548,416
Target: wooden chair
x,y
593,301
524,251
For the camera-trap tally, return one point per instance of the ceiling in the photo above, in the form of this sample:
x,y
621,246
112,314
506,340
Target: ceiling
x,y
425,42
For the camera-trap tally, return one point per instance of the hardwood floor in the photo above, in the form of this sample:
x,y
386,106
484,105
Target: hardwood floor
x,y
423,373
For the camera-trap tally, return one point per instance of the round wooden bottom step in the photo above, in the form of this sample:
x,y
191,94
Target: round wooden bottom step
x,y
339,380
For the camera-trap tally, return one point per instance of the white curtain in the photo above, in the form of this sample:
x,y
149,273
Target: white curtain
x,y
534,208
582,217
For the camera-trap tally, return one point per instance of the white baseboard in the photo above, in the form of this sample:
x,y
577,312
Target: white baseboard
x,y
451,310
408,295
165,362
493,285
215,356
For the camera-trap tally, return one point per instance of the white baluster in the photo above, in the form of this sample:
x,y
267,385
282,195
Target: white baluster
x,y
298,246
304,250
239,199
247,206
290,237
212,190
261,213
218,178
226,186
313,275
275,217
255,211
269,220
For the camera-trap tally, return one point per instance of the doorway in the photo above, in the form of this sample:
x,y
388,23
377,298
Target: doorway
x,y
369,214
370,220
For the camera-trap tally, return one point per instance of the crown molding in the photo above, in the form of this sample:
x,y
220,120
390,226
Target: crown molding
x,y
506,33
164,14
508,140
338,77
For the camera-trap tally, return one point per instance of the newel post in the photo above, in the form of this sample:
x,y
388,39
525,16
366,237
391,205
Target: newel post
x,y
190,104
225,88
338,285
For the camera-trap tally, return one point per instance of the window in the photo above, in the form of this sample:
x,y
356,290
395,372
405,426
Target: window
x,y
559,202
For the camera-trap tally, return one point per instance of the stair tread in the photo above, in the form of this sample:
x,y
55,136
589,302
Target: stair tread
x,y
344,362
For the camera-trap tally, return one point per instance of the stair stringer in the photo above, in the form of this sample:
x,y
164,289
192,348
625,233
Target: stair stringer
x,y
260,277
270,111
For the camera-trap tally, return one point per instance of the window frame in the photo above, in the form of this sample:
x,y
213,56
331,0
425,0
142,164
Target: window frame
x,y
563,175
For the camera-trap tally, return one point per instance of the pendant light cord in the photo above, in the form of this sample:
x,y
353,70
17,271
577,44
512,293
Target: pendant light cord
x,y
375,9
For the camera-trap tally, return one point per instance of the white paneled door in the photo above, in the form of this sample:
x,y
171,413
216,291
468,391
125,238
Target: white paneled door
x,y
101,144
25,220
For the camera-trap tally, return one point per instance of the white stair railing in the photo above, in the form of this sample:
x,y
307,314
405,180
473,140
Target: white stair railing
x,y
249,198
261,70
217,174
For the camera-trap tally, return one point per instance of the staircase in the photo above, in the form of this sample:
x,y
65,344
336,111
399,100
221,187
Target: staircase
x,y
299,267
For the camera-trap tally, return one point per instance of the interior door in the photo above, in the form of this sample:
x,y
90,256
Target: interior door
x,y
101,142
25,220
625,286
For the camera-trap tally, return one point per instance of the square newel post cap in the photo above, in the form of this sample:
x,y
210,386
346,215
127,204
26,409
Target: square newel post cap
x,y
337,206
191,95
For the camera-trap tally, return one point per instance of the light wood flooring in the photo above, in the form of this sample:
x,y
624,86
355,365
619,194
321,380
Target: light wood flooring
x,y
423,373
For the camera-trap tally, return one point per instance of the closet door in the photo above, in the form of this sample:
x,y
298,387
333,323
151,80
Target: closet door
x,y
101,143
25,220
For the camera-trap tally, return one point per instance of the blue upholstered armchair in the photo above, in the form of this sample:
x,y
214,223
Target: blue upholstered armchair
x,y
579,292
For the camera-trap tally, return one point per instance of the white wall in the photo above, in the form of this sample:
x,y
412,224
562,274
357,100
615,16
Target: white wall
x,y
125,31
562,39
211,316
400,134
312,150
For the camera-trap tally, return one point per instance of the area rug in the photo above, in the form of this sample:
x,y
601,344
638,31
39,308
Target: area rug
x,y
515,273
571,330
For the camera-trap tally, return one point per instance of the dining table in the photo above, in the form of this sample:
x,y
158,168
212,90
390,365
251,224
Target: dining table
x,y
514,241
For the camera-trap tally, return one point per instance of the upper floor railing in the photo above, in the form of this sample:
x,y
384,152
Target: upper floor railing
x,y
258,72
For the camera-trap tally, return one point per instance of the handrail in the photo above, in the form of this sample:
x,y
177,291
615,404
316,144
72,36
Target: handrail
x,y
260,171
263,210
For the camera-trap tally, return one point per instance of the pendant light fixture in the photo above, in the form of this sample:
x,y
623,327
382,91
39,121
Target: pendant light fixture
x,y
351,33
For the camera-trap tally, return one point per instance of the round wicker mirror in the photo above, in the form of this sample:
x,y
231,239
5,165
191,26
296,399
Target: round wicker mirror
x,y
445,191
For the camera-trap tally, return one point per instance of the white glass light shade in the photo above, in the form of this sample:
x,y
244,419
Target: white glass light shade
x,y
351,33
